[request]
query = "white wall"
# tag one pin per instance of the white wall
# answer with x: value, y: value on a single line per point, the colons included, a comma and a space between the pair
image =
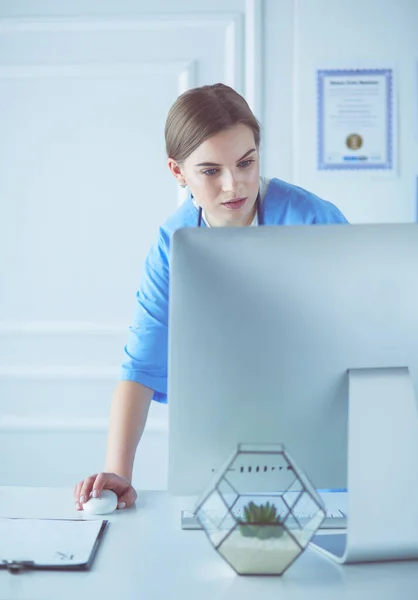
x: 305, y: 35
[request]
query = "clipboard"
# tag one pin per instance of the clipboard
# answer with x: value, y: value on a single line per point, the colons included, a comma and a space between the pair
x: 49, y: 544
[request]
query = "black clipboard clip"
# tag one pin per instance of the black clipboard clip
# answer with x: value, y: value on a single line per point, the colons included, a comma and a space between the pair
x: 17, y: 566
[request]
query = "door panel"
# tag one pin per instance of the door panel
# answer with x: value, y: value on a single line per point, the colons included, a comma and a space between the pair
x: 84, y: 187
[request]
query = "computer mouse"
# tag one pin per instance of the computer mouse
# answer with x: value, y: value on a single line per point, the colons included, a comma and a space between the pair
x: 104, y: 504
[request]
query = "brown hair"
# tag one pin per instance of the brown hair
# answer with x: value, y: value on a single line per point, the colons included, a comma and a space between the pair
x: 202, y: 112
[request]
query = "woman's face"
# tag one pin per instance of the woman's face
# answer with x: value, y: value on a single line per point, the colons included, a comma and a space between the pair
x: 223, y: 176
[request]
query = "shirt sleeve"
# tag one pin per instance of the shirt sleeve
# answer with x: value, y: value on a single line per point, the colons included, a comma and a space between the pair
x: 326, y: 212
x: 147, y: 346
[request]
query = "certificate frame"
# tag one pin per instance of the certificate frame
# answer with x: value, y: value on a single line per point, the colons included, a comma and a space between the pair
x: 347, y: 163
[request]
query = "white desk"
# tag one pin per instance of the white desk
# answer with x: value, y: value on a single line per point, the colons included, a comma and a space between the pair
x: 146, y: 556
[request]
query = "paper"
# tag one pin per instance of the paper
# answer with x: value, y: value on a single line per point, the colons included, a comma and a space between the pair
x: 355, y: 119
x: 48, y: 542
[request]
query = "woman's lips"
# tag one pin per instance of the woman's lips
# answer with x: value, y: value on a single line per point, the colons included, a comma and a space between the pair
x: 235, y: 204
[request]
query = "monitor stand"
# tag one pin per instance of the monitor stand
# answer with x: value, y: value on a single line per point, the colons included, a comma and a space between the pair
x: 382, y: 475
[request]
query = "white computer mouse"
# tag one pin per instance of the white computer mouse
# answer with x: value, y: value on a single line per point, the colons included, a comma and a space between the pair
x: 104, y: 504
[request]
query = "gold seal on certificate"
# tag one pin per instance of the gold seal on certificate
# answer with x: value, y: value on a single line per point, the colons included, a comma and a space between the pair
x: 354, y: 141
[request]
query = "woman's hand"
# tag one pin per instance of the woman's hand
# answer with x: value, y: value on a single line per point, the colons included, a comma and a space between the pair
x: 93, y: 485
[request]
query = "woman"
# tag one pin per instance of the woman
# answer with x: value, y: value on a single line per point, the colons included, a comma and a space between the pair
x: 212, y: 143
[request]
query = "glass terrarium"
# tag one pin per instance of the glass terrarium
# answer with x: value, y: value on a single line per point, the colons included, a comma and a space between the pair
x: 260, y: 510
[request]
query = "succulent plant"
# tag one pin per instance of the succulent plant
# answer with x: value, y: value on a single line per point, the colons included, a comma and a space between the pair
x: 261, y: 521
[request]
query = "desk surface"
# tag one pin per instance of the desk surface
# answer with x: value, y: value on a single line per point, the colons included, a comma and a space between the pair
x: 146, y: 555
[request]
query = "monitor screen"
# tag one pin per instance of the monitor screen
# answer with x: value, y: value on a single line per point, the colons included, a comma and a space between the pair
x: 264, y: 323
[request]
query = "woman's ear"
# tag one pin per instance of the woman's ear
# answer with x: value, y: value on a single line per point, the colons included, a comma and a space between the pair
x: 176, y: 172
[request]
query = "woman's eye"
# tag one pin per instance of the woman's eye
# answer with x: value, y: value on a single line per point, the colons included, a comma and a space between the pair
x: 245, y: 163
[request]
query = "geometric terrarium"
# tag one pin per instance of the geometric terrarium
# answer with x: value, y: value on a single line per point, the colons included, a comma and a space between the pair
x: 260, y: 510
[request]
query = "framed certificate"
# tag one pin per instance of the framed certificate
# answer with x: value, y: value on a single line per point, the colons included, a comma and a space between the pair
x: 355, y: 119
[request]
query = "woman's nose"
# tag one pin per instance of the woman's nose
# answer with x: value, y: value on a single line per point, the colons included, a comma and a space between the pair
x: 228, y: 182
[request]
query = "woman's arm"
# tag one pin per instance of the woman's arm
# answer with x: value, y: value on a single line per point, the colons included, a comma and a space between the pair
x: 128, y: 416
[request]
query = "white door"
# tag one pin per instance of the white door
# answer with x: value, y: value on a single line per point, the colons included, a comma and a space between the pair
x: 83, y: 188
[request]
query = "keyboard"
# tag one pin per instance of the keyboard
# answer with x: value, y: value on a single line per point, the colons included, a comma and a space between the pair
x: 334, y: 519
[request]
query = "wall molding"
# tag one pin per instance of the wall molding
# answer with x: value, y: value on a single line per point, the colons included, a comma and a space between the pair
x: 70, y: 425
x: 187, y: 79
x: 254, y: 59
x: 93, y: 69
x: 235, y: 44
x: 162, y: 21
x: 59, y: 372
x: 62, y: 328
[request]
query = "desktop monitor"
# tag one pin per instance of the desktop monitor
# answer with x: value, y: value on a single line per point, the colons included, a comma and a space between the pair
x: 264, y: 325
